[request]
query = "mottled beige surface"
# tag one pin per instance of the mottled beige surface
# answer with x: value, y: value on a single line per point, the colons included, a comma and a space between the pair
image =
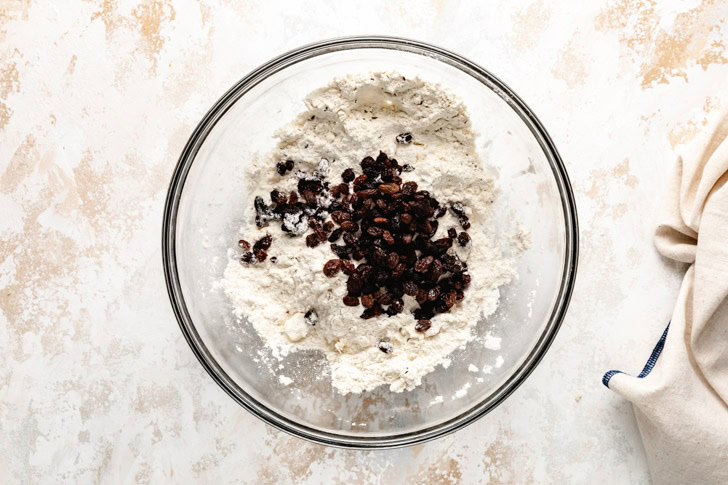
x: 96, y: 101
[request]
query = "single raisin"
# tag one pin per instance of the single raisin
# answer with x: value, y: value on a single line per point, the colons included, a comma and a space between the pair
x: 263, y: 243
x: 312, y: 240
x: 244, y: 245
x: 311, y: 317
x: 289, y: 164
x: 410, y: 288
x: 351, y: 300
x: 404, y: 138
x: 409, y: 188
x: 335, y: 235
x: 423, y: 264
x: 452, y: 233
x: 348, y: 175
x: 332, y: 267
x: 389, y: 188
x: 350, y: 226
x: 392, y: 260
x: 464, y: 239
x: 423, y: 325
x: 347, y: 267
x: 281, y: 168
x: 367, y: 301
x: 385, y: 347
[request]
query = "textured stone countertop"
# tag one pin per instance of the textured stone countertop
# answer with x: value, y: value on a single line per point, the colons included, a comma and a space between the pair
x: 97, y: 99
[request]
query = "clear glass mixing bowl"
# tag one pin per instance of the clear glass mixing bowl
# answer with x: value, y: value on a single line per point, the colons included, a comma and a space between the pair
x: 204, y: 210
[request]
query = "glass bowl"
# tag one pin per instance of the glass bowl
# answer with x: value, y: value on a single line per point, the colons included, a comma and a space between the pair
x: 204, y: 210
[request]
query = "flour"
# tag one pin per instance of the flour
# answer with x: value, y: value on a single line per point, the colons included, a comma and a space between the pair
x: 349, y: 119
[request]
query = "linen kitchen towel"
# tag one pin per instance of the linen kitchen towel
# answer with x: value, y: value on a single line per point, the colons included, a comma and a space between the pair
x: 681, y: 397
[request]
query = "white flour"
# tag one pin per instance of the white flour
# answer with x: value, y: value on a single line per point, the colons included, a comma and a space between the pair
x: 352, y: 118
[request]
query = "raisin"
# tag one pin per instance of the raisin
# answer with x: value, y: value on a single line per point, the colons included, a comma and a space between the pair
x: 464, y: 239
x: 367, y: 301
x: 354, y: 284
x: 423, y: 264
x: 392, y: 260
x: 368, y: 313
x: 423, y: 325
x: 347, y: 267
x: 343, y: 189
x: 409, y: 188
x: 368, y: 162
x: 348, y: 175
x: 350, y: 239
x: 366, y: 194
x: 311, y: 317
x: 350, y: 226
x: 433, y: 293
x: 466, y: 279
x: 457, y: 209
x: 248, y: 258
x: 332, y: 267
x: 340, y: 216
x: 405, y: 218
x: 388, y: 238
x: 328, y: 226
x: 389, y: 188
x: 410, y: 288
x: 312, y: 240
x: 450, y: 298
x: 261, y: 254
x: 360, y: 180
x: 309, y: 197
x: 421, y: 296
x: 335, y: 235
x: 407, y: 167
x: 440, y: 212
x: 263, y: 243
x: 351, y: 300
x: 341, y: 251
x: 244, y: 245
x: 404, y: 138
x: 380, y: 257
x: 289, y: 164
x: 273, y: 259
x: 292, y: 198
x: 385, y: 347
x: 464, y: 223
x: 380, y: 220
x: 452, y: 233
x: 375, y: 231
x: 399, y: 271
x: 281, y: 168
x: 396, y: 307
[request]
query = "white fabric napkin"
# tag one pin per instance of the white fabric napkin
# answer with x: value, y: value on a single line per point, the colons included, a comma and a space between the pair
x: 681, y: 397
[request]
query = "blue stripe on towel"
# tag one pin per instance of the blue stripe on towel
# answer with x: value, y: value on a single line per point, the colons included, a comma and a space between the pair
x: 650, y: 362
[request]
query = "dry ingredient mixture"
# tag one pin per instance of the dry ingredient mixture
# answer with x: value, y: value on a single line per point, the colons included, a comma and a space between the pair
x: 365, y: 238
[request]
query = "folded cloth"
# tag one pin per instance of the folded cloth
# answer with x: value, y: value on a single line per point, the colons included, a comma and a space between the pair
x: 681, y: 397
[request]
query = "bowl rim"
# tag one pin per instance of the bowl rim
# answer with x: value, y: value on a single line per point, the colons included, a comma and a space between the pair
x: 344, y: 440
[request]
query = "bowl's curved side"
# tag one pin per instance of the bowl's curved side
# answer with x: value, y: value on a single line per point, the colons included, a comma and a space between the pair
x: 172, y: 276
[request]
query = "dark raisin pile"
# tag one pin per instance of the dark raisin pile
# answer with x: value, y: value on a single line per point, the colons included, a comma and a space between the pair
x: 386, y: 226
x: 381, y: 231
